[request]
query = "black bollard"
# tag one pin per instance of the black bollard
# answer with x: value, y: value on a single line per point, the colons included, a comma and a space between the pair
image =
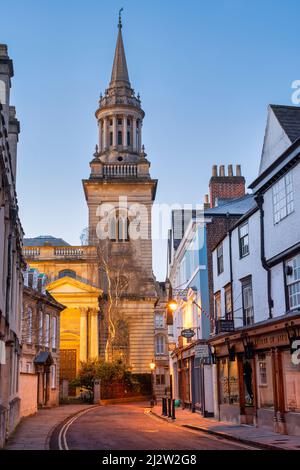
x: 169, y: 408
x: 173, y: 409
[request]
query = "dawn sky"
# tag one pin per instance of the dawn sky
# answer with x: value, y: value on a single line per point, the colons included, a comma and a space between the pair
x: 206, y: 72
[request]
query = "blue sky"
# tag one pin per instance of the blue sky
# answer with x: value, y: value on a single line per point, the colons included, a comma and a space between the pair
x: 206, y: 72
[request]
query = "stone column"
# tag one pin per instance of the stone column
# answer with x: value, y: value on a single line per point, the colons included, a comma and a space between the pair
x: 140, y: 136
x: 115, y: 131
x: 125, y: 131
x: 100, y: 134
x: 94, y: 348
x: 83, y: 334
x: 134, y: 134
x: 104, y: 133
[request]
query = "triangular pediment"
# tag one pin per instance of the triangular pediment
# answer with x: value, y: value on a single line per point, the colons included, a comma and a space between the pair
x: 69, y: 285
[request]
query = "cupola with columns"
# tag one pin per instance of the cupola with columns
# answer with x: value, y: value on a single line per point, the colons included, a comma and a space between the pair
x: 120, y: 152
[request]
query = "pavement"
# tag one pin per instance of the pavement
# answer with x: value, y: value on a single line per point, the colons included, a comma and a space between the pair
x: 33, y: 432
x: 245, y: 434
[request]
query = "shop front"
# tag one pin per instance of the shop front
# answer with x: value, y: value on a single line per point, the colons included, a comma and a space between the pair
x: 193, y: 379
x: 257, y: 372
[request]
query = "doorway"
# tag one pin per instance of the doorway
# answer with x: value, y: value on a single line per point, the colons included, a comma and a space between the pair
x: 68, y: 358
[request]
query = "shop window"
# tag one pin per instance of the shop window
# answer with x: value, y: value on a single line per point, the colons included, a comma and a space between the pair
x: 291, y: 382
x: 283, y: 198
x: 244, y: 240
x: 220, y: 259
x: 265, y: 381
x: 228, y: 382
x: 248, y: 311
x: 293, y: 281
x: 228, y: 303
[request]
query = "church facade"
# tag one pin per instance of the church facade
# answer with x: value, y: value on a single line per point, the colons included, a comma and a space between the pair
x: 107, y: 285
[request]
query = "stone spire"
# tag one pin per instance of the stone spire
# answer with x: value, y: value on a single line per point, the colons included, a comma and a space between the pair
x: 119, y: 76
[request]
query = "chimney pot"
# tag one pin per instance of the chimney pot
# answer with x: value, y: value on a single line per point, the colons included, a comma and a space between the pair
x: 238, y: 170
x: 214, y: 170
x: 230, y: 170
x: 222, y: 170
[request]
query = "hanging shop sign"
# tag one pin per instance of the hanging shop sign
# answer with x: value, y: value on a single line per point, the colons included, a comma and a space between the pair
x: 188, y: 333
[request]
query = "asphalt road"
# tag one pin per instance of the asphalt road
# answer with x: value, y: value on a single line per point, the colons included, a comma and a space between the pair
x: 131, y: 427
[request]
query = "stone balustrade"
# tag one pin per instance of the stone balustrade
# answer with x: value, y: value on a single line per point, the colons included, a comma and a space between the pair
x: 120, y: 170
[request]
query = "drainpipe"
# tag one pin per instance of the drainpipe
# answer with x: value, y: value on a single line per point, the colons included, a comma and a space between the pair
x: 260, y: 201
x: 230, y: 265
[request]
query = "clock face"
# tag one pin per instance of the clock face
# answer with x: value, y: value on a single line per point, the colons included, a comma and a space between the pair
x: 2, y: 92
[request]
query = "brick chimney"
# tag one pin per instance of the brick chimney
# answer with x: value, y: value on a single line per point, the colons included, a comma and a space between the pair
x: 226, y: 186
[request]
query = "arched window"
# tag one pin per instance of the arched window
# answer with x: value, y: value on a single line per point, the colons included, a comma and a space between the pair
x: 160, y: 344
x: 119, y: 137
x: 118, y: 227
x: 67, y: 272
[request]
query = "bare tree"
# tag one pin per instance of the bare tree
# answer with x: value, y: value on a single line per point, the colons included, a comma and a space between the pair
x: 115, y: 281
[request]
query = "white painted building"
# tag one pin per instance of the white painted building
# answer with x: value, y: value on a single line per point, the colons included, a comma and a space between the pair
x: 256, y: 281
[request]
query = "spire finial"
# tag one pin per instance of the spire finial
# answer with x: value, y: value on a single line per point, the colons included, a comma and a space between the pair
x: 120, y: 18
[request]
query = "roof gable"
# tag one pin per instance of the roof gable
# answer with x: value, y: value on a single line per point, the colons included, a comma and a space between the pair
x: 276, y: 140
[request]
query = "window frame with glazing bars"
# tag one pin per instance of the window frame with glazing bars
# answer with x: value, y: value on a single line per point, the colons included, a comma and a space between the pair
x: 242, y: 245
x: 220, y: 264
x: 295, y: 282
x: 228, y: 313
x: 246, y: 283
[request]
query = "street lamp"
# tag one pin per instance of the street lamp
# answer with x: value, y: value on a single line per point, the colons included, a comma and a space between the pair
x: 152, y: 366
x: 172, y: 305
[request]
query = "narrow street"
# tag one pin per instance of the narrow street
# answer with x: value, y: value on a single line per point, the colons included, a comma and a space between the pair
x: 130, y: 427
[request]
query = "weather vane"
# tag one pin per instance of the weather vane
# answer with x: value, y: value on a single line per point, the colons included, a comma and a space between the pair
x: 120, y: 18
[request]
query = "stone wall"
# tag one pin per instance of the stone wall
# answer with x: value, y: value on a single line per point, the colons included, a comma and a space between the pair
x: 28, y: 394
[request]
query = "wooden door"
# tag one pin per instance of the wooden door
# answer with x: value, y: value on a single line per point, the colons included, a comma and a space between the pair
x: 68, y: 367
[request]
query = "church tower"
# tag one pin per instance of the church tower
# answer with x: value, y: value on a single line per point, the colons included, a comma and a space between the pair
x: 119, y: 195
